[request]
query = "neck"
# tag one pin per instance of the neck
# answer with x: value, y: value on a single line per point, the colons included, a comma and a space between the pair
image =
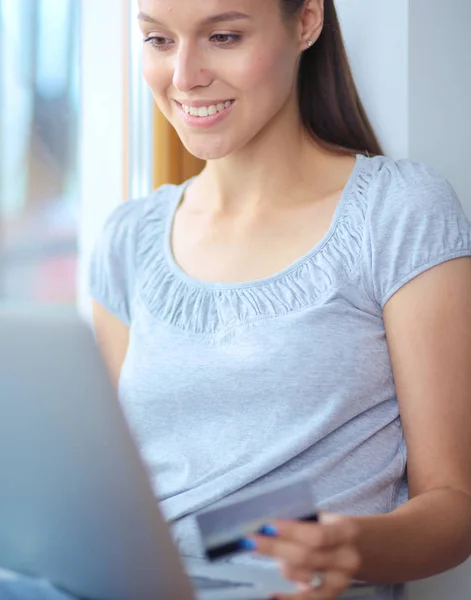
x: 279, y: 164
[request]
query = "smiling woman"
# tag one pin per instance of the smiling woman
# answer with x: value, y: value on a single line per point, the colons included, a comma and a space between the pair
x: 258, y: 319
x: 200, y: 36
x: 237, y: 40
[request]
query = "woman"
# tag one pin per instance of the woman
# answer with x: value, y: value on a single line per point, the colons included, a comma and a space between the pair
x: 302, y: 306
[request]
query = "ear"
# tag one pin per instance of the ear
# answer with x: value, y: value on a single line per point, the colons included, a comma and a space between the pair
x: 311, y: 22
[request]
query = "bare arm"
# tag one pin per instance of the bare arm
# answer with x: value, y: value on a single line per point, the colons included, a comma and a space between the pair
x: 113, y: 339
x: 428, y: 327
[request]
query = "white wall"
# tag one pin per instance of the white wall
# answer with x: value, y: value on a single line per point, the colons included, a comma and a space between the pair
x: 411, y: 62
x: 410, y: 59
x: 440, y: 84
x: 376, y: 36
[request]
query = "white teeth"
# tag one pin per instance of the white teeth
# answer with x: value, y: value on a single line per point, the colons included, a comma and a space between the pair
x: 205, y: 111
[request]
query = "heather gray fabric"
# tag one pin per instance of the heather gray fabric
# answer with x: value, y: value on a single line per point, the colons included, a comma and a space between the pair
x: 228, y: 386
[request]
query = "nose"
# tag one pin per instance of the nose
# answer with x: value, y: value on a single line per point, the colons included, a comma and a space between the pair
x: 190, y: 70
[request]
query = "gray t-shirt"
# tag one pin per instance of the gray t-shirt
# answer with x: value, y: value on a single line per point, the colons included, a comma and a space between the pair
x: 230, y: 386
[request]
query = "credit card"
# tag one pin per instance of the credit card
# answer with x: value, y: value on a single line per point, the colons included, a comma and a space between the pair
x: 223, y: 527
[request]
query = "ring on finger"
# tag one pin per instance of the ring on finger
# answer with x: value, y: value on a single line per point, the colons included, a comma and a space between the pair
x: 317, y: 580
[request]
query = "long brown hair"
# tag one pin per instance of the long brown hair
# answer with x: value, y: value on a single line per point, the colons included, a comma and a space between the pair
x: 331, y: 108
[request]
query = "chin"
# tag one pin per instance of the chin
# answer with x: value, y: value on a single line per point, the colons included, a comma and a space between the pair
x: 207, y: 150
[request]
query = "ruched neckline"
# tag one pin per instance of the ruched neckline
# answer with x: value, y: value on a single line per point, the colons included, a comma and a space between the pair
x: 209, y: 307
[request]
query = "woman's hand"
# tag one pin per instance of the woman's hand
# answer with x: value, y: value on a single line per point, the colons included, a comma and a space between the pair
x: 322, y: 557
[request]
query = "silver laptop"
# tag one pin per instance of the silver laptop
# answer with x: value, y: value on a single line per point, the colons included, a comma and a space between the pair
x: 76, y: 505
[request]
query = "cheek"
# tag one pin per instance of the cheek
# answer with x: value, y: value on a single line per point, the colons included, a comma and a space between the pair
x: 147, y: 68
x: 155, y: 74
x: 267, y: 75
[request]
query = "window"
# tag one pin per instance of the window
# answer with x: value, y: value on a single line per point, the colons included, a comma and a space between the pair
x: 39, y: 108
x: 139, y: 114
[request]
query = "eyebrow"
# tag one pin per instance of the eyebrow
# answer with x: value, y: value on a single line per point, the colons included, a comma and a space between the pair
x: 223, y: 17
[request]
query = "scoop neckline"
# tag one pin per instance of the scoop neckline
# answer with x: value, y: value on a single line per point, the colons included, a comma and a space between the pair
x: 178, y: 272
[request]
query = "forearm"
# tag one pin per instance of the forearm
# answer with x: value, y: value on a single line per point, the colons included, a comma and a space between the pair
x: 427, y: 535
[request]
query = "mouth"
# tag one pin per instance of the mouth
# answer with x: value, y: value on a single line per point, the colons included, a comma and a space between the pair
x: 207, y: 110
x: 204, y: 115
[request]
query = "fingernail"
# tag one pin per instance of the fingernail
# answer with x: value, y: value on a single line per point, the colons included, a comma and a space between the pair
x: 326, y: 518
x: 246, y: 544
x: 268, y: 530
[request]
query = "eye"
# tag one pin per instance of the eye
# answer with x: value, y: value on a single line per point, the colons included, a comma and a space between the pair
x: 225, y: 39
x: 157, y: 42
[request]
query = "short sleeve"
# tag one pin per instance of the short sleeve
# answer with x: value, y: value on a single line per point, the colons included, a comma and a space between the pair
x: 414, y: 221
x: 113, y: 262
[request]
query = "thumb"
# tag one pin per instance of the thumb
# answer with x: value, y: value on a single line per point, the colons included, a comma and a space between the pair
x: 325, y: 518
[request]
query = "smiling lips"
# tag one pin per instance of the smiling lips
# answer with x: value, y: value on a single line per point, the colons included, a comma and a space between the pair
x: 206, y: 110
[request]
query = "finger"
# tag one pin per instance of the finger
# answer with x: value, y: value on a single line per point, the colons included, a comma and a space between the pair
x: 301, y: 595
x: 326, y: 517
x: 285, y: 550
x: 337, y: 530
x: 296, y: 574
x: 345, y: 558
x: 334, y: 584
x: 334, y: 530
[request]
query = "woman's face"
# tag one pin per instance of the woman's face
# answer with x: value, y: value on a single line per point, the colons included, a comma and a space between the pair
x: 219, y: 70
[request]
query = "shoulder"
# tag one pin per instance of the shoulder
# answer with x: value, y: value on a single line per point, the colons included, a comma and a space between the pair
x: 405, y: 180
x: 134, y: 223
x: 129, y: 217
x: 413, y: 221
x: 129, y: 240
x: 411, y: 203
x: 406, y: 187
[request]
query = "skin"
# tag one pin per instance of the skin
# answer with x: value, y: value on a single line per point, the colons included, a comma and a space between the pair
x: 236, y: 210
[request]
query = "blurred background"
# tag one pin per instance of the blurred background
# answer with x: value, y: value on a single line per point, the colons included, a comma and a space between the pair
x: 78, y: 134
x: 39, y: 121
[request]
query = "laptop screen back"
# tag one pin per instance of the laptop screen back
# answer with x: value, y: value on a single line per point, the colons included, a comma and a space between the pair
x: 75, y: 503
